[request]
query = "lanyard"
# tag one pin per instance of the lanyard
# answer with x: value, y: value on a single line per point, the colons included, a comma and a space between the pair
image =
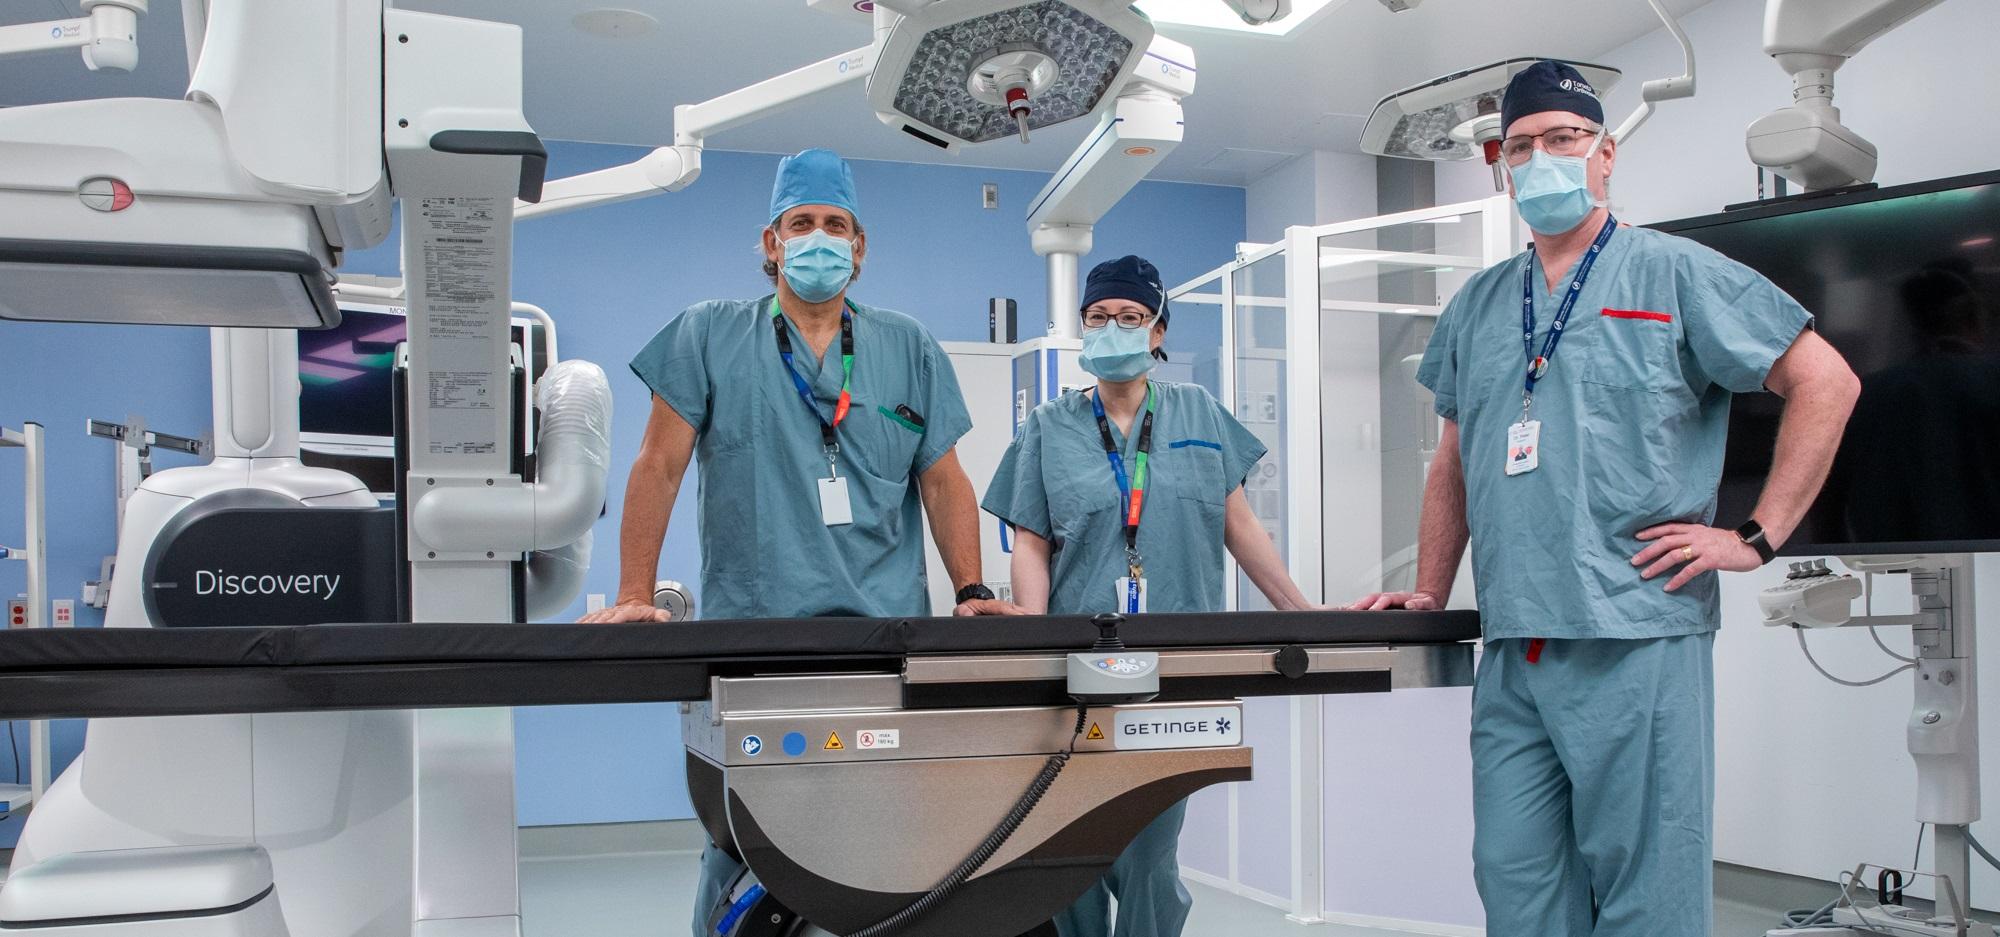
x: 1132, y: 491
x: 1539, y: 365
x: 826, y: 428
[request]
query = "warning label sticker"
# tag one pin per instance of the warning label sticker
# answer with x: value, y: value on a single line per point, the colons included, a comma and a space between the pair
x: 867, y: 739
x: 1096, y: 733
x: 833, y: 743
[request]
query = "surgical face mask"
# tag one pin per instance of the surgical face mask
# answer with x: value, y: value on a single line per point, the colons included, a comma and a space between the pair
x: 818, y: 265
x: 1553, y: 192
x: 1116, y: 353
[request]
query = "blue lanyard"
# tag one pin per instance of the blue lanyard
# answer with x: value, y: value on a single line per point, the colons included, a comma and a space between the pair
x: 1539, y: 365
x: 1132, y: 490
x: 826, y: 428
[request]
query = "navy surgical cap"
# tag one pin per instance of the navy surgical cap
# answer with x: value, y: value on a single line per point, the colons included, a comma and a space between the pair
x: 1549, y: 86
x: 1128, y: 277
x: 814, y: 177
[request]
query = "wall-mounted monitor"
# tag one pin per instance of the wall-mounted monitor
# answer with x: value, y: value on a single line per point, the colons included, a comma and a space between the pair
x: 1905, y: 282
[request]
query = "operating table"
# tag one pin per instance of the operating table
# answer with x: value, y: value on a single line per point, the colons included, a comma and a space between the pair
x: 850, y: 763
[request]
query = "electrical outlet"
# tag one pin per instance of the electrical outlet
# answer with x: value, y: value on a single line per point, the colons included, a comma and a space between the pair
x: 62, y: 613
x: 17, y: 612
x: 989, y: 195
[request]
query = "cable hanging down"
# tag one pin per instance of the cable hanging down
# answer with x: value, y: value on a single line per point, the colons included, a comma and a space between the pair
x: 1801, y: 632
x: 991, y: 845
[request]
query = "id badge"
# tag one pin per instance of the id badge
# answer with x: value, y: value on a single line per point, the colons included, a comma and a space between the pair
x: 1524, y: 447
x: 834, y: 507
x: 1131, y: 595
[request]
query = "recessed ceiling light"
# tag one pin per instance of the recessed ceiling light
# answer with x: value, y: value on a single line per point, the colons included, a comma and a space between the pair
x: 1210, y: 14
x: 615, y: 24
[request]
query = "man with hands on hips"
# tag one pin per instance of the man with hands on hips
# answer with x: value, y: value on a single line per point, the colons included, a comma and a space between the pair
x: 1585, y: 388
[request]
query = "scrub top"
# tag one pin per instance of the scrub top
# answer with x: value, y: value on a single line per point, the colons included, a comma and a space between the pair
x: 1634, y: 412
x: 1056, y: 482
x: 765, y: 550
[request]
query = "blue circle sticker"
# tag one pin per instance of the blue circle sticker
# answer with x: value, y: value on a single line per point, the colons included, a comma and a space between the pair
x: 795, y: 744
x: 753, y: 746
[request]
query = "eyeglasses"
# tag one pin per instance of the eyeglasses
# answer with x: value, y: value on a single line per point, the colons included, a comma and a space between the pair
x: 1129, y: 319
x: 1561, y: 141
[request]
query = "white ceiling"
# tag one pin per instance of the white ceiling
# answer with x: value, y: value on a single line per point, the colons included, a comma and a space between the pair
x: 1258, y: 102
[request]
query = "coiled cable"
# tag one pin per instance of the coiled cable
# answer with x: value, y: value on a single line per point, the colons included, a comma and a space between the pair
x: 994, y: 840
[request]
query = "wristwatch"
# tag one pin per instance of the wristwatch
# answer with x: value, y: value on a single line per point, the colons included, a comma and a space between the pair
x: 1752, y: 533
x: 977, y: 590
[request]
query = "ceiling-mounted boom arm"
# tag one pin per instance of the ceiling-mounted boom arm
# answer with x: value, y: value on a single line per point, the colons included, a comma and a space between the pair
x: 1142, y: 127
x: 1806, y: 142
x: 673, y: 168
x: 1661, y: 89
x: 107, y: 32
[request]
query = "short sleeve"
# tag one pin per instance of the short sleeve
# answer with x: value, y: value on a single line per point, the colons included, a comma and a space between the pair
x: 1738, y: 323
x: 1241, y: 449
x: 943, y: 406
x: 1018, y: 494
x: 1439, y: 370
x: 674, y: 366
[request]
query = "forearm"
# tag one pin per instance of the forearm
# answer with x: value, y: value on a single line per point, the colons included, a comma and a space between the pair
x: 1442, y: 532
x: 1808, y: 437
x: 1258, y: 556
x: 1029, y: 571
x: 954, y: 520
x: 649, y: 504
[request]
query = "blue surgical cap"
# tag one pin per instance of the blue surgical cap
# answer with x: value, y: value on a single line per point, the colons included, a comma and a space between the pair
x: 814, y: 177
x: 1549, y: 86
x: 1129, y: 277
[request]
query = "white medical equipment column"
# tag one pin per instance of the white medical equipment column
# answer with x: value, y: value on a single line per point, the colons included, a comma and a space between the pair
x: 1063, y: 244
x: 1944, y: 724
x: 453, y: 130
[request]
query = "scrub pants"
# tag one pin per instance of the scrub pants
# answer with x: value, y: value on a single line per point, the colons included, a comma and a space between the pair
x: 1593, y: 778
x: 1146, y: 880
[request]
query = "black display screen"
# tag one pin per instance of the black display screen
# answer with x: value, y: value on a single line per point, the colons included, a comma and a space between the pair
x: 1904, y: 282
x: 346, y: 373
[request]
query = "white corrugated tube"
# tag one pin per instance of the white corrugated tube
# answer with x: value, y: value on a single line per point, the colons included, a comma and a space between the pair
x: 551, y: 518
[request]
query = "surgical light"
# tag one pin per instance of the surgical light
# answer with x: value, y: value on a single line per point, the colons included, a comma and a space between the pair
x: 46, y: 281
x: 1456, y: 117
x: 1438, y: 119
x: 974, y: 71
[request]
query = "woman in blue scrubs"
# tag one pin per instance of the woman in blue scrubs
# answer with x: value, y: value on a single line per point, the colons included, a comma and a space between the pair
x: 1122, y: 498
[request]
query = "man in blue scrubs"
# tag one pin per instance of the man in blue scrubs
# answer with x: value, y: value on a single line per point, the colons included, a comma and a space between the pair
x: 825, y: 432
x: 1585, y: 388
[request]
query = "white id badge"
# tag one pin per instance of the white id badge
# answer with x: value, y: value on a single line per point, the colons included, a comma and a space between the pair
x: 1131, y: 595
x: 834, y: 507
x: 1524, y: 447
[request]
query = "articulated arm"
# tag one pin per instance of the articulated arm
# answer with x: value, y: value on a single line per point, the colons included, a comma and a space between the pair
x: 1806, y: 142
x: 107, y: 33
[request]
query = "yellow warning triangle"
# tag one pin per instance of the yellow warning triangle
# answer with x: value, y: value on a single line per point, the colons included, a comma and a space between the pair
x: 1096, y: 734
x: 833, y: 742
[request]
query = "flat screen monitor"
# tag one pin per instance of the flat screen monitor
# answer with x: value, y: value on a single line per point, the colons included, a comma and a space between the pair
x: 346, y: 390
x: 1905, y: 282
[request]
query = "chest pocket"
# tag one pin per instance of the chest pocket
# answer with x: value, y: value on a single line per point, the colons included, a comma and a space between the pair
x: 1189, y: 469
x: 886, y: 443
x: 1632, y: 349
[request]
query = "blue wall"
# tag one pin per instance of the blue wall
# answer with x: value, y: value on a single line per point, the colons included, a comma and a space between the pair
x: 610, y: 276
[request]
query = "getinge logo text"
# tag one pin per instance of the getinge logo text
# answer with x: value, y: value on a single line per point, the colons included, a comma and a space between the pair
x: 222, y: 582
